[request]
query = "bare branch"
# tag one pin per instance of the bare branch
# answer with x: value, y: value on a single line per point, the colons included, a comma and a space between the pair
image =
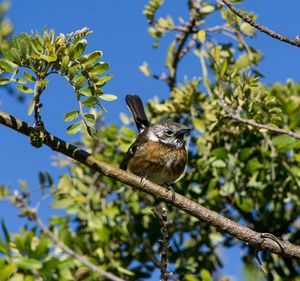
x: 31, y: 214
x: 188, y: 206
x: 260, y: 27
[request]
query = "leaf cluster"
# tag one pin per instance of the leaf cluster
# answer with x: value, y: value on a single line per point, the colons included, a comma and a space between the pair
x: 43, y: 55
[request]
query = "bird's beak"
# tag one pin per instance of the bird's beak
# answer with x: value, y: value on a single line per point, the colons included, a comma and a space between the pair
x: 183, y: 132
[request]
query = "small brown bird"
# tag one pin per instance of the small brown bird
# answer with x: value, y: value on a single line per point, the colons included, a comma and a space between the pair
x: 158, y: 153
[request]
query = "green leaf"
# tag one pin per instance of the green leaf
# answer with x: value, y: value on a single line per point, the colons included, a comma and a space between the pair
x: 245, y: 204
x: 207, y: 9
x: 220, y: 153
x: 62, y: 203
x: 70, y: 116
x: 124, y: 118
x: 27, y: 263
x: 151, y: 8
x: 80, y: 82
x: 24, y: 185
x: 42, y: 82
x: 101, y: 81
x: 224, y: 66
x: 205, y: 274
x: 245, y: 153
x: 6, y: 271
x: 24, y: 49
x: 144, y: 68
x: 198, y: 124
x: 49, y: 58
x: 79, y: 48
x: 227, y: 189
x: 74, y: 128
x: 125, y: 271
x: 108, y: 97
x: 190, y: 277
x: 72, y: 71
x: 253, y: 273
x: 31, y: 107
x: 64, y: 63
x: 201, y: 34
x: 5, y: 231
x: 90, y: 102
x: 219, y: 164
x: 90, y: 119
x: 39, y: 39
x: 6, y: 66
x: 284, y: 143
x: 99, y: 68
x: 24, y: 89
x: 247, y: 29
x: 7, y: 54
x: 16, y: 57
x: 92, y: 132
x: 94, y: 57
x: 4, y: 81
x: 29, y: 77
x: 20, y: 81
x: 253, y: 164
x: 86, y: 92
x: 170, y: 58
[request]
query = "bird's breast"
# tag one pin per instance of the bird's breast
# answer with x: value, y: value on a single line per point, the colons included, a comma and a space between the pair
x: 158, y: 162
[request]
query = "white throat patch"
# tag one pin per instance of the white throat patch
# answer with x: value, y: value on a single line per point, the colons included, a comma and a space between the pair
x: 151, y: 136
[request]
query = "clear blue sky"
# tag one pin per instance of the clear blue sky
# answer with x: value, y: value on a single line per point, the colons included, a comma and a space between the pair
x: 120, y: 31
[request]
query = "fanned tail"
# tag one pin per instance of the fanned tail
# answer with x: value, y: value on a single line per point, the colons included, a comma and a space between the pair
x: 137, y: 110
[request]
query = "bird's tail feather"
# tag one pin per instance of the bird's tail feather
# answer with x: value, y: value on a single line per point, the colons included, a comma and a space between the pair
x: 137, y: 110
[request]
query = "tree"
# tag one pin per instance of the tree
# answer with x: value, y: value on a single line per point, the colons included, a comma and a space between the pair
x: 243, y: 161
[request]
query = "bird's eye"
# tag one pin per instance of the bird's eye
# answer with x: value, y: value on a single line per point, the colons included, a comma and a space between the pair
x: 168, y: 132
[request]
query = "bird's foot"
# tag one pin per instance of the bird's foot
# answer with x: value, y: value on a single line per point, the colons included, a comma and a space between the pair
x: 170, y: 188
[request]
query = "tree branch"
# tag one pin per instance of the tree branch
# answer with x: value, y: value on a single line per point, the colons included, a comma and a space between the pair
x: 262, y: 28
x: 178, y: 52
x: 235, y: 116
x: 31, y: 213
x: 164, y: 222
x: 222, y: 224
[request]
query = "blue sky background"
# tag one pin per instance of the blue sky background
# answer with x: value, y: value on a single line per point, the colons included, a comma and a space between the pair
x: 120, y: 31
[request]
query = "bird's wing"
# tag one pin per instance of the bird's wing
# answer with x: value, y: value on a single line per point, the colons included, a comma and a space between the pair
x: 129, y: 154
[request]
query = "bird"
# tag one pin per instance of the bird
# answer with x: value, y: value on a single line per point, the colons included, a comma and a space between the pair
x: 158, y: 153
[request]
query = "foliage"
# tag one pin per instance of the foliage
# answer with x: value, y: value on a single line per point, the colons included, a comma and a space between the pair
x: 46, y: 54
x: 243, y: 173
x: 5, y: 25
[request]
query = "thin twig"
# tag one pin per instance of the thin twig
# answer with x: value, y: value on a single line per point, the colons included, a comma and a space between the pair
x: 164, y: 222
x: 263, y: 126
x: 263, y: 270
x: 37, y: 105
x: 260, y: 27
x: 178, y: 52
x: 31, y: 214
x: 235, y: 116
x: 210, y: 217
